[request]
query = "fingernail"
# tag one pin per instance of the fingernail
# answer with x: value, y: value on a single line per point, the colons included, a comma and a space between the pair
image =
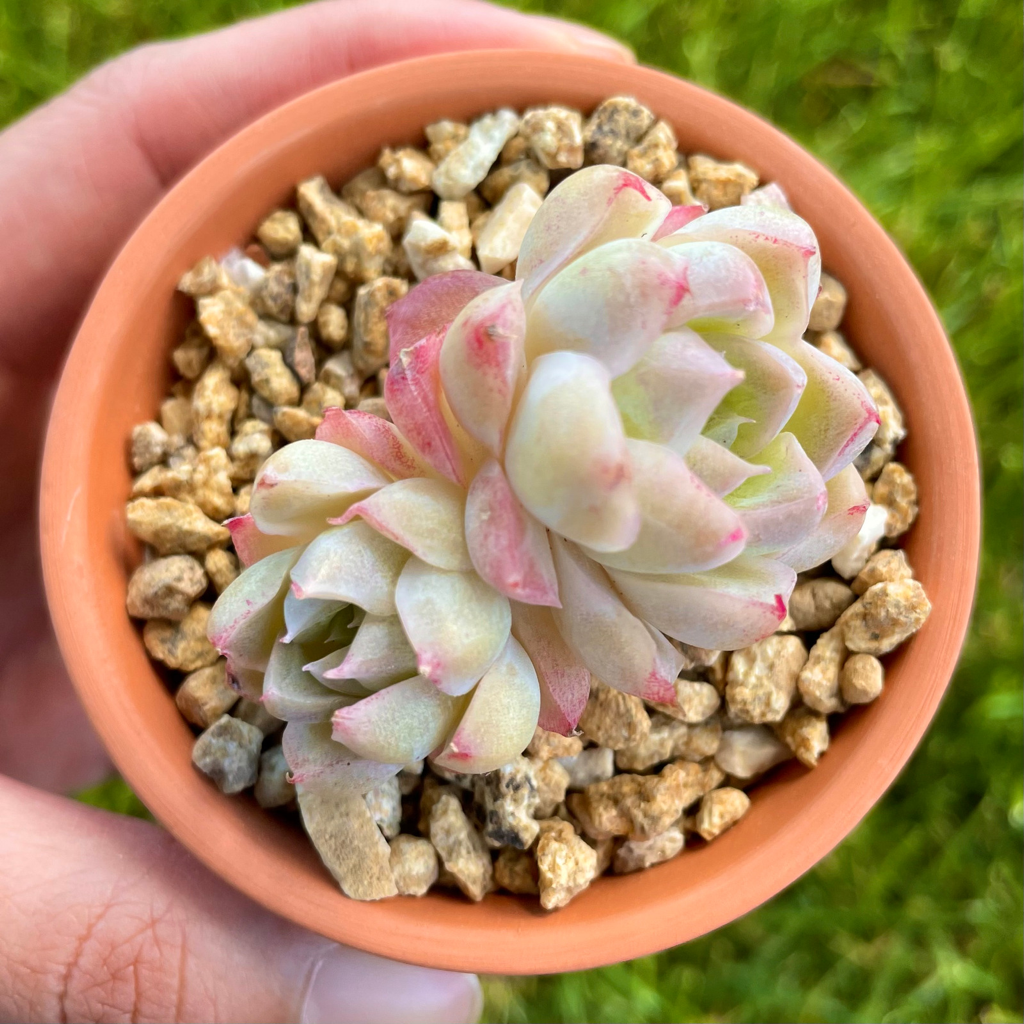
x: 588, y: 40
x: 348, y: 986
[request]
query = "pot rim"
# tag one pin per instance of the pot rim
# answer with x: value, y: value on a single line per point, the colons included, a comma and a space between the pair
x: 637, y: 914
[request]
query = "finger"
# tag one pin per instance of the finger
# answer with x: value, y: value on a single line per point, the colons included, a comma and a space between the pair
x: 77, y: 175
x: 104, y: 918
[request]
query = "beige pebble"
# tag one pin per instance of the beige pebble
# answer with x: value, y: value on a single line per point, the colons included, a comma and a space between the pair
x: 211, y: 484
x: 314, y: 272
x: 321, y: 209
x: 164, y: 482
x: 205, y: 695
x: 272, y: 787
x: 385, y: 803
x: 891, y: 429
x: 271, y: 334
x: 761, y: 679
x: 355, y: 189
x: 332, y: 325
x: 299, y: 356
x: 516, y: 871
x: 594, y: 764
x: 671, y: 738
x: 281, y: 233
x: 214, y: 401
x: 555, y: 135
x: 242, y: 499
x: 413, y: 865
x: 516, y: 149
x: 720, y: 810
x: 818, y: 681
x: 205, y: 278
x: 676, y: 186
x: 749, y: 751
x: 229, y: 753
x: 817, y: 603
x: 507, y: 799
x: 165, y: 588
x: 829, y: 306
x: 886, y: 566
x: 173, y: 527
x: 348, y: 841
x: 546, y: 745
x: 361, y: 247
x: 497, y: 245
x: 521, y: 172
x: 256, y: 714
x: 149, y: 447
x: 222, y: 568
x: 654, y: 157
x: 392, y: 209
x: 453, y: 216
x: 406, y: 169
x: 637, y: 806
x: 274, y: 297
x: 833, y: 344
x: 339, y: 373
x: 640, y: 854
x: 183, y: 644
x: 613, y: 718
x: 886, y: 615
x: 460, y: 847
x: 318, y: 398
x: 718, y: 185
x: 872, y: 461
x: 230, y: 324
x: 375, y: 407
x: 805, y: 732
x: 854, y: 555
x: 192, y: 356
x: 411, y: 777
x: 250, y: 447
x: 566, y: 865
x: 430, y: 793
x: 468, y: 163
x: 695, y: 701
x: 369, y: 324
x: 443, y: 137
x: 896, y: 491
x: 614, y: 127
x: 432, y: 250
x: 862, y: 679
x: 271, y: 378
x: 552, y: 780
x: 176, y: 416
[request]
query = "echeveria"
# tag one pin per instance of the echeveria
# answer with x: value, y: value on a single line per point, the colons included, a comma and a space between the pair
x: 627, y: 448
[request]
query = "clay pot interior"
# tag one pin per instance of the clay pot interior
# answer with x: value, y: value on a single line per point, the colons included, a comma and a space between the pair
x: 118, y: 372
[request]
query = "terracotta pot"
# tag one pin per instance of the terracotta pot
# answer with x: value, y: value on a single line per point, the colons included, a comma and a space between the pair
x: 117, y: 374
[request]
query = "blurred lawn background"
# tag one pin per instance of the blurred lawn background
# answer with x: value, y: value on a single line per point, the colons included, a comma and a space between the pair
x: 917, y: 105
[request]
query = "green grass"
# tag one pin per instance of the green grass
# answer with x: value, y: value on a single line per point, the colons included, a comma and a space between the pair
x: 917, y: 105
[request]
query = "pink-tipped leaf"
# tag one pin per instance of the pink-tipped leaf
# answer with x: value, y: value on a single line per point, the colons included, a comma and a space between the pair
x: 375, y: 439
x: 292, y: 694
x: 316, y: 761
x: 722, y: 470
x: 251, y: 544
x: 379, y: 655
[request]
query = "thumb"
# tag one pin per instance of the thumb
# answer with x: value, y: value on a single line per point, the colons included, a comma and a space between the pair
x: 120, y: 923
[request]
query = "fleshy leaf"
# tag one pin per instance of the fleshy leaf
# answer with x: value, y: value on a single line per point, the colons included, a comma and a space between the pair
x: 351, y: 563
x: 432, y: 305
x: 676, y: 218
x: 589, y: 208
x: 251, y: 545
x: 424, y: 516
x: 508, y: 547
x: 413, y: 395
x: 400, y: 723
x: 320, y: 668
x: 304, y: 483
x: 379, y: 655
x: 718, y: 467
x: 610, y: 304
x: 566, y: 457
x: 246, y: 682
x: 723, y: 609
x: 501, y: 717
x: 836, y: 417
x: 564, y: 679
x: 292, y: 694
x: 767, y: 195
x: 847, y: 504
x: 482, y: 361
x: 781, y: 244
x: 669, y: 395
x: 249, y: 615
x: 684, y: 526
x: 374, y: 438
x: 605, y: 635
x: 786, y: 504
x: 765, y: 400
x: 316, y: 760
x: 455, y: 622
x: 308, y: 620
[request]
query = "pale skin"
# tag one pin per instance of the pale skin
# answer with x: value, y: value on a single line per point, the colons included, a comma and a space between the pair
x: 105, y: 918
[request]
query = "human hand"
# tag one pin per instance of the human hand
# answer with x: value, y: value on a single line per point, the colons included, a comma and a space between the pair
x: 102, y: 917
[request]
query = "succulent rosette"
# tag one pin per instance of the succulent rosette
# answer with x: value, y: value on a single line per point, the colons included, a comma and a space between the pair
x: 628, y: 448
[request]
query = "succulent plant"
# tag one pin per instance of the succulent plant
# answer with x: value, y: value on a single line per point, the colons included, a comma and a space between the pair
x: 628, y: 448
